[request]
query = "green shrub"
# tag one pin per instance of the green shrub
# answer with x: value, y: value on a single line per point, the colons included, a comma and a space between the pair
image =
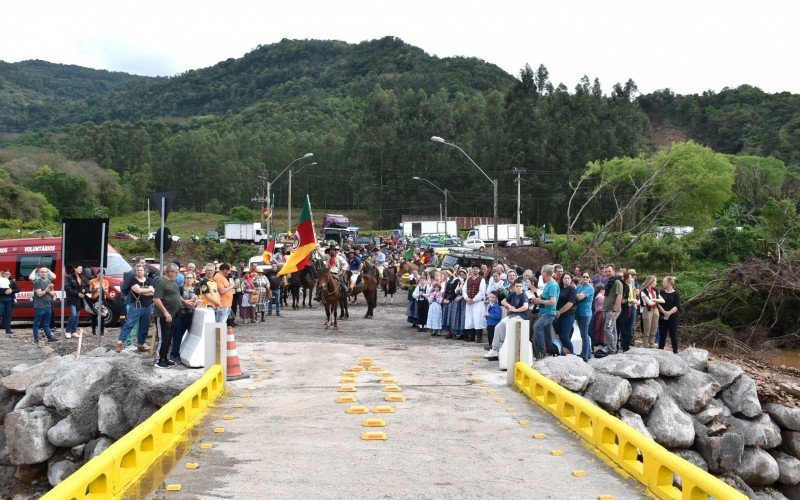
x: 729, y: 244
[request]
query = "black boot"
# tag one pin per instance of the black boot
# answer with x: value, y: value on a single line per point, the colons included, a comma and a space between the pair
x: 479, y: 335
x: 469, y: 335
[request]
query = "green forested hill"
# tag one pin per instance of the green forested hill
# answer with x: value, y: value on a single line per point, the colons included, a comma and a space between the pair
x: 367, y: 112
x: 32, y: 92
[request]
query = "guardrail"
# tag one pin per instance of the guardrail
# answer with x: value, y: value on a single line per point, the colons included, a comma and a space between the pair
x: 109, y: 474
x: 644, y: 459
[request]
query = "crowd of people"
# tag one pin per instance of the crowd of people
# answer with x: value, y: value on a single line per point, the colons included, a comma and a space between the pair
x: 603, y: 307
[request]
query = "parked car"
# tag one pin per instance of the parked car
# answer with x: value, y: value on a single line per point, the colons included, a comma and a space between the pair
x: 474, y: 244
x: 212, y: 236
x: 527, y: 242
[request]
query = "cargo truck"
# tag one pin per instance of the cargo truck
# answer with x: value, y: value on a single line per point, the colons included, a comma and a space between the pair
x: 245, y: 231
x: 508, y: 234
x: 416, y: 229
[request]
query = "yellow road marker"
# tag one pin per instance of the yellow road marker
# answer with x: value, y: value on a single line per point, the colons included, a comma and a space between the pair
x: 388, y: 381
x: 365, y: 361
x: 206, y: 446
x: 227, y: 417
x: 373, y: 422
x: 485, y: 384
x: 347, y: 388
x: 238, y: 405
x: 347, y: 380
x: 251, y: 388
x: 524, y: 422
x: 474, y: 380
x: 395, y: 398
x: 392, y: 388
x: 500, y: 400
x: 356, y: 368
x: 539, y: 436
x: 219, y: 430
x: 374, y: 436
x: 579, y: 473
x: 353, y: 410
x: 348, y: 374
x: 245, y: 395
x: 346, y: 399
x: 511, y: 410
x: 605, y: 497
x: 557, y: 453
x: 383, y: 409
x: 374, y: 368
x: 386, y: 374
x: 490, y: 392
x: 192, y: 465
x: 173, y: 487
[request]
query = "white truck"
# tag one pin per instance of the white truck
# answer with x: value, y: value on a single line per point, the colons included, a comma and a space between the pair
x: 508, y: 234
x: 415, y: 229
x: 245, y: 231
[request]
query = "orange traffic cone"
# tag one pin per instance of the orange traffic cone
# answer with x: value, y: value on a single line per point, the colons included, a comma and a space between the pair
x: 234, y: 369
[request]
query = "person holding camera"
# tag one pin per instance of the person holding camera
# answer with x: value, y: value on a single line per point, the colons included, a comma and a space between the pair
x: 43, y: 296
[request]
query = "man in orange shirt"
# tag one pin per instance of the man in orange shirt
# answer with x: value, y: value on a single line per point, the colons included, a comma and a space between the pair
x: 225, y: 290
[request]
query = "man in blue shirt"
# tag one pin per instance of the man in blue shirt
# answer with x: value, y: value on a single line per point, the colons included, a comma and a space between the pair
x: 547, y: 311
x: 380, y: 261
x: 516, y: 305
x: 585, y: 296
x: 355, y: 264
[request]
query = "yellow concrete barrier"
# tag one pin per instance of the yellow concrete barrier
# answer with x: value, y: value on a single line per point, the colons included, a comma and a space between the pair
x: 644, y: 459
x: 109, y: 474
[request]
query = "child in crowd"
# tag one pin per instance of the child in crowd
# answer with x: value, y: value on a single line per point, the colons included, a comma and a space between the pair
x: 434, y: 321
x: 493, y: 314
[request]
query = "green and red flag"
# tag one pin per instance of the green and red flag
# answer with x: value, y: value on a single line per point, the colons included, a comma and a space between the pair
x: 299, y: 259
x: 269, y: 250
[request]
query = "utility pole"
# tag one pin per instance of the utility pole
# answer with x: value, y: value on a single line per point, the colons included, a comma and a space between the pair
x: 519, y: 171
x: 289, y: 207
x: 261, y: 198
x: 445, y: 206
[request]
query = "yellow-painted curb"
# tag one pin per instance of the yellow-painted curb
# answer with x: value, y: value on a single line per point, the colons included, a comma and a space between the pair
x: 621, y: 442
x: 109, y: 474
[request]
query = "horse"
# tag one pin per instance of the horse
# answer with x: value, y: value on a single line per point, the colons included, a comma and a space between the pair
x: 369, y: 287
x: 284, y: 291
x: 368, y: 269
x: 305, y: 279
x: 389, y: 283
x: 332, y: 294
x: 408, y: 267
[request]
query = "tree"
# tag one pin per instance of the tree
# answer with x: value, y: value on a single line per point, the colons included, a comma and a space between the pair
x: 66, y: 192
x: 241, y: 213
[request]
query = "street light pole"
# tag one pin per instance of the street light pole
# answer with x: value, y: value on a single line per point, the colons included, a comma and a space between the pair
x: 493, y: 181
x: 269, y: 185
x: 519, y: 171
x: 289, y: 208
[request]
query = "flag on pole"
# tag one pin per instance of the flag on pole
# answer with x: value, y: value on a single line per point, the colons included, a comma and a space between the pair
x: 299, y: 259
x: 269, y: 250
x: 409, y: 255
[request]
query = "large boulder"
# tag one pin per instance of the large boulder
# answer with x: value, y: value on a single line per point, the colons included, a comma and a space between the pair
x: 790, y: 443
x: 715, y: 410
x: 788, y: 418
x: 722, y: 452
x: 571, y: 372
x: 96, y: 446
x: 735, y: 481
x: 669, y: 364
x: 742, y: 397
x: 58, y: 471
x: 644, y: 394
x: 695, y: 358
x: 692, y: 391
x: 8, y: 400
x: 693, y: 458
x: 111, y: 417
x: 21, y: 380
x: 33, y: 397
x: 76, y: 384
x: 70, y: 432
x: 626, y: 366
x: 757, y: 467
x: 669, y: 425
x: 760, y: 431
x: 26, y: 435
x: 608, y: 391
x: 5, y: 459
x: 788, y: 466
x: 725, y: 373
x: 635, y: 421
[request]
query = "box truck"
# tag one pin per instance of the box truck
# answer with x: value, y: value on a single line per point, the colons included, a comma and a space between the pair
x: 245, y: 231
x: 508, y: 234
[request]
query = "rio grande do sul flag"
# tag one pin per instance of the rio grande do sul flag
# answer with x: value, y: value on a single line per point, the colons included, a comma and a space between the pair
x: 300, y: 258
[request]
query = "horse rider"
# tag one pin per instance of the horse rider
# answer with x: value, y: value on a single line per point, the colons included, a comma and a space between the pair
x: 380, y: 260
x: 356, y: 265
x: 337, y: 265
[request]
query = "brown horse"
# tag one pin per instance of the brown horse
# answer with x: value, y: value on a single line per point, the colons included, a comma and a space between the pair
x: 368, y: 285
x: 332, y: 295
x: 389, y: 283
x: 408, y: 267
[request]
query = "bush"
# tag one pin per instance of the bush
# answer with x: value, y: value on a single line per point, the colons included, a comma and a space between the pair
x: 241, y: 213
x: 728, y: 244
x: 214, y: 206
x: 651, y: 254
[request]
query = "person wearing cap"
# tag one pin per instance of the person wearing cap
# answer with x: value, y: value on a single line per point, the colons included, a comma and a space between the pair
x: 355, y: 264
x: 474, y: 293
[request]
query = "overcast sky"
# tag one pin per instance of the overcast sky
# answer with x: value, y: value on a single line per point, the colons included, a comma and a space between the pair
x: 686, y: 45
